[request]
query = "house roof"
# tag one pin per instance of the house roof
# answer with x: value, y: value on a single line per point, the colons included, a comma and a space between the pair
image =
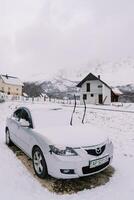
x: 116, y: 91
x: 91, y: 77
x: 11, y: 80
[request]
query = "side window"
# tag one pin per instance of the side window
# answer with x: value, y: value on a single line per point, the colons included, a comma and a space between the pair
x: 88, y: 87
x: 17, y: 114
x: 25, y: 116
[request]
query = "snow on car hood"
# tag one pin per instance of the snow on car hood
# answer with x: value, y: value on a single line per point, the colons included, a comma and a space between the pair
x: 74, y: 136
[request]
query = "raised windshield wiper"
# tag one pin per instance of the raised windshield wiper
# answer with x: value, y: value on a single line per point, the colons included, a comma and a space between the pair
x: 85, y: 108
x: 75, y: 103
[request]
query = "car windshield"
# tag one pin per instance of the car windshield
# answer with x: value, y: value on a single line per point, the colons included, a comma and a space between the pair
x: 45, y: 118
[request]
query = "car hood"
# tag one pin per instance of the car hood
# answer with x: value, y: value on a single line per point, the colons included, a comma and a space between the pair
x: 74, y: 136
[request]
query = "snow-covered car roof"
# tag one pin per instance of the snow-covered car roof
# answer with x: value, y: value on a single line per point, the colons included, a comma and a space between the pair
x: 48, y: 115
x: 53, y: 122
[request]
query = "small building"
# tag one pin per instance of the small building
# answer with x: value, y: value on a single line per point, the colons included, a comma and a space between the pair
x: 116, y: 93
x: 44, y: 95
x: 10, y: 85
x: 94, y: 91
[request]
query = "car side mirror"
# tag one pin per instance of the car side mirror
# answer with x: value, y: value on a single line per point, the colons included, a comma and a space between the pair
x: 24, y: 123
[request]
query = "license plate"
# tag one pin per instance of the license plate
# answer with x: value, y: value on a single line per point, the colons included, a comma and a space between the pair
x: 95, y: 163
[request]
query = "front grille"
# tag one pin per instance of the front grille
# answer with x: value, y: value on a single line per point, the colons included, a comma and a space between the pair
x: 88, y: 170
x: 93, y: 152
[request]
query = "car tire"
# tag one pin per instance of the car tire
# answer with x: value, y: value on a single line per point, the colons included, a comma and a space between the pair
x: 7, y: 138
x: 39, y: 163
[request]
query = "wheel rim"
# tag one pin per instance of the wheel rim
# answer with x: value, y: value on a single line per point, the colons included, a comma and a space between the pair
x: 7, y: 137
x: 37, y: 160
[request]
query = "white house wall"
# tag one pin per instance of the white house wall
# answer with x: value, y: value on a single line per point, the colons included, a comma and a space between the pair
x: 96, y: 91
x: 106, y: 95
x: 93, y: 90
x: 13, y: 89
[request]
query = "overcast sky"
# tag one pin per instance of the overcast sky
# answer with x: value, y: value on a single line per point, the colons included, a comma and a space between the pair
x: 42, y: 36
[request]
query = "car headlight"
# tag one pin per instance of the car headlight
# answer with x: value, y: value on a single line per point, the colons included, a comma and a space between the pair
x: 67, y: 151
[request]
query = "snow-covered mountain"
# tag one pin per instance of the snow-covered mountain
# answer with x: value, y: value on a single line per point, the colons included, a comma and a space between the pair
x: 127, y: 88
x: 60, y: 87
x: 116, y: 74
x: 119, y: 73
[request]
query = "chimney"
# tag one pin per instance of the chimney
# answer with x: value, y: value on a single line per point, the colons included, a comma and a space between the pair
x: 98, y: 76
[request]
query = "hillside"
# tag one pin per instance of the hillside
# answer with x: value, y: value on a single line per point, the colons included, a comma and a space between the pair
x: 116, y: 74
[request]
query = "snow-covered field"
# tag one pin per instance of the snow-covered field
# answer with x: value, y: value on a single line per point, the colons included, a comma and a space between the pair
x: 17, y: 183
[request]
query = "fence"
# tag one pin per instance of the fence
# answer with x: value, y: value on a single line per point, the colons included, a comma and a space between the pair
x: 23, y: 99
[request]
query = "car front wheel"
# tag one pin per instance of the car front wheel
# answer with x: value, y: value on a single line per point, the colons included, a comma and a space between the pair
x: 39, y: 163
x: 8, y: 140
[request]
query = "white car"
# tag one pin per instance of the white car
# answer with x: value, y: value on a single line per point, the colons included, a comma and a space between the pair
x: 55, y: 147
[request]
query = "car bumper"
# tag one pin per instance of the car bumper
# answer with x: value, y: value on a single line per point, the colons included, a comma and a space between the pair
x: 62, y: 167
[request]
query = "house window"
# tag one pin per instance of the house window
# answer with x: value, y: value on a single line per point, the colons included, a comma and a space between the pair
x: 88, y: 87
x: 17, y: 89
x: 85, y: 96
x: 99, y: 86
x: 92, y: 95
x: 8, y: 88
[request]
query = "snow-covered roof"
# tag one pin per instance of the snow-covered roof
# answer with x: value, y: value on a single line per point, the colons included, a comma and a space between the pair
x: 11, y: 80
x: 116, y: 91
x: 91, y: 77
x: 24, y: 94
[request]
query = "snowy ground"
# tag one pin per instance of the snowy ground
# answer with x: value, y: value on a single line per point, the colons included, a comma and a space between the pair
x: 17, y: 183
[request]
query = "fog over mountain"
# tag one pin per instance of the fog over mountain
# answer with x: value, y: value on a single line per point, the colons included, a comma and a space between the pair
x: 63, y: 83
x: 41, y: 37
x: 116, y: 73
x: 57, y: 43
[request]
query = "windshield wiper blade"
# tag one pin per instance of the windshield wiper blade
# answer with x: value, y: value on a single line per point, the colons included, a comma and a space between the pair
x: 85, y: 108
x: 75, y: 103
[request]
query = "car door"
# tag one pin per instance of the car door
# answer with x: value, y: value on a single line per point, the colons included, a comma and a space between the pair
x: 14, y: 126
x: 25, y: 133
